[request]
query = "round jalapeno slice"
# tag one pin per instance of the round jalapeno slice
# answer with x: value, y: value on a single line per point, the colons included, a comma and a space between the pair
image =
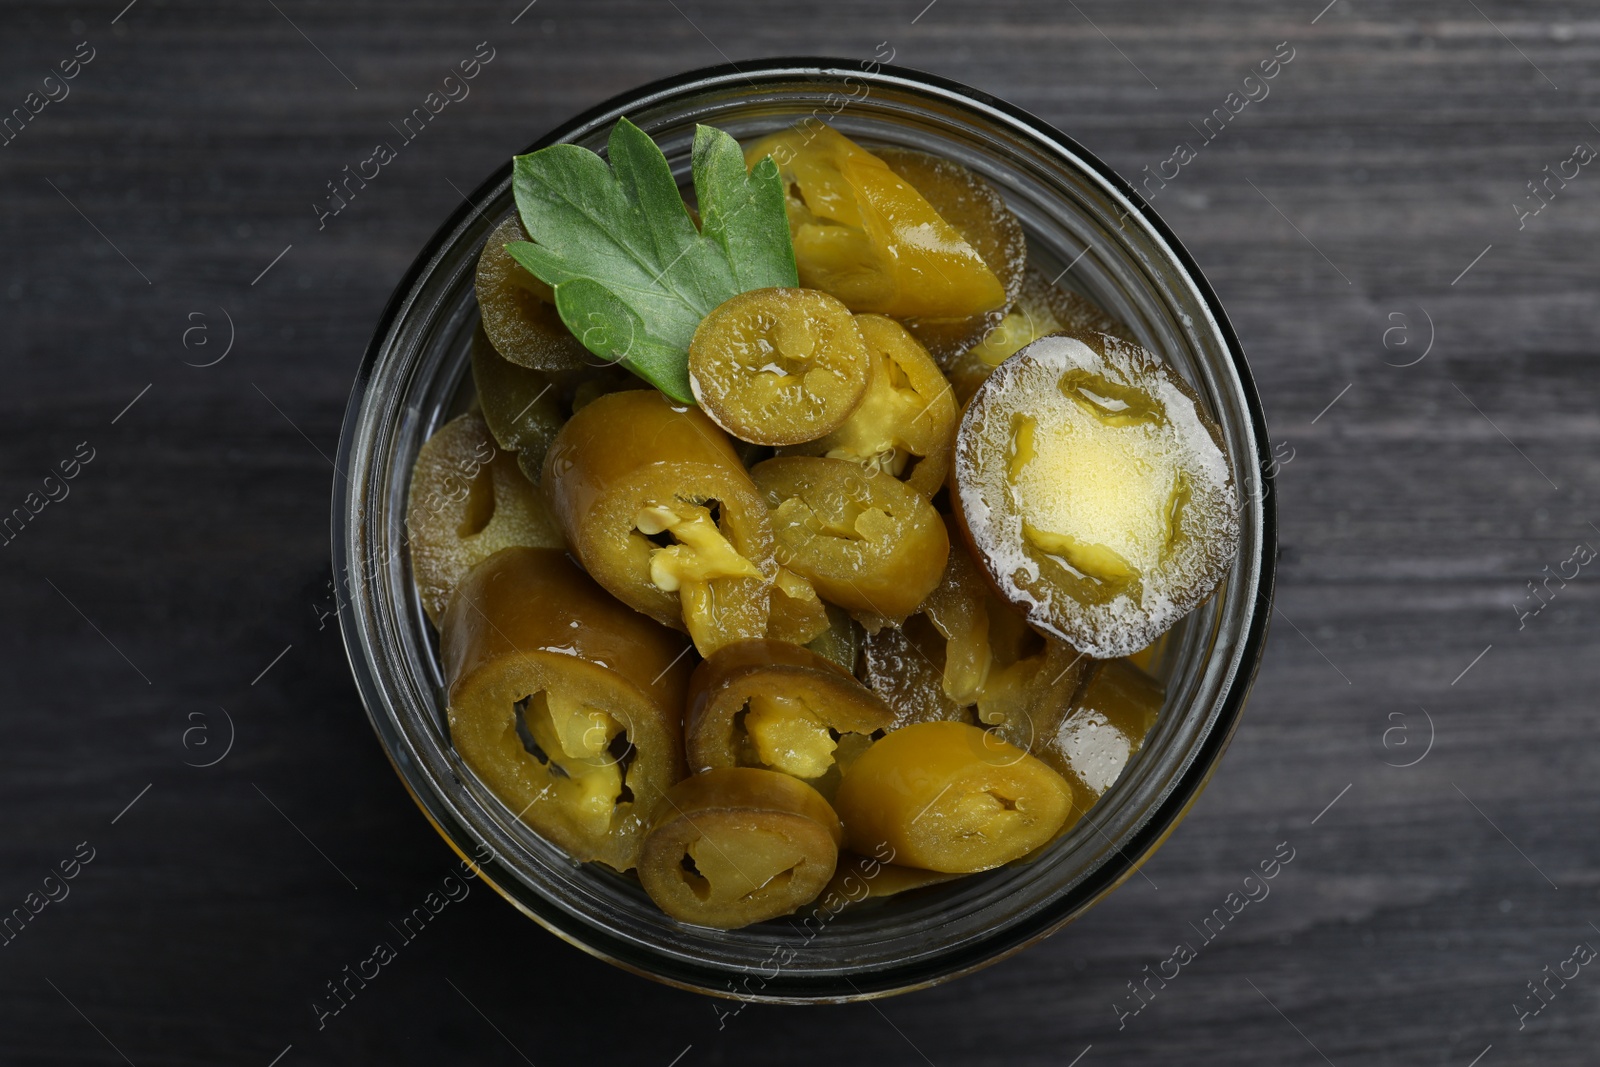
x: 519, y: 311
x: 564, y: 702
x: 946, y: 796
x: 905, y: 423
x: 1095, y: 491
x: 658, y: 508
x: 778, y: 366
x: 467, y: 501
x: 867, y: 542
x: 739, y: 845
x: 776, y: 705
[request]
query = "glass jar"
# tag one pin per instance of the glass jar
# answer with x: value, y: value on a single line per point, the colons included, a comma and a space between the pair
x: 1081, y: 219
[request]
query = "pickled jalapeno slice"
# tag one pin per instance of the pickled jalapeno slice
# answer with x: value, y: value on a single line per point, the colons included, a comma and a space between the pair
x: 905, y: 423
x: 519, y: 311
x: 778, y: 366
x: 657, y: 507
x: 867, y: 542
x: 564, y: 701
x: 739, y: 845
x: 946, y: 796
x: 467, y: 501
x: 775, y: 705
x: 522, y: 407
x: 978, y: 212
x: 865, y: 235
x: 1096, y: 492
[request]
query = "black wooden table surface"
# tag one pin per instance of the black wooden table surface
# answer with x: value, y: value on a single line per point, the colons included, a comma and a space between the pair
x: 1423, y: 342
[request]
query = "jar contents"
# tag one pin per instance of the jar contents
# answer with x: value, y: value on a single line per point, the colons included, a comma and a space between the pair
x: 809, y: 540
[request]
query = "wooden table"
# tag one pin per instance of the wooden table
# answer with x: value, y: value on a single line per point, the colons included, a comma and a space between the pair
x: 1425, y: 356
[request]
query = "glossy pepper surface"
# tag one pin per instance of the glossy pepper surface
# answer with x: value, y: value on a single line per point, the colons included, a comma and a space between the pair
x: 867, y: 542
x: 946, y: 796
x: 977, y: 211
x: 738, y: 845
x: 778, y: 366
x: 657, y: 507
x: 865, y: 235
x: 776, y: 705
x: 566, y: 703
x: 905, y: 423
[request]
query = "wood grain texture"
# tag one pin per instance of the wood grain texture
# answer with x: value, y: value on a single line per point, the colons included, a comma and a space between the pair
x: 193, y: 548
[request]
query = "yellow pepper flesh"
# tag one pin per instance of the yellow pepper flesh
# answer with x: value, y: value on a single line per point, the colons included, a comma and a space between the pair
x: 865, y: 235
x: 947, y: 796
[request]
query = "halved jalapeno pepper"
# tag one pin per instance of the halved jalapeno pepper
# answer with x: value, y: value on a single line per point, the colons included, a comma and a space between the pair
x: 1096, y: 492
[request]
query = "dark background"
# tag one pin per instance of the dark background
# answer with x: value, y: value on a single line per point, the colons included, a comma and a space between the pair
x: 193, y: 548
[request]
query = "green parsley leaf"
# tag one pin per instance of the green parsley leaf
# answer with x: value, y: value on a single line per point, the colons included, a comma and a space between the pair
x: 632, y: 275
